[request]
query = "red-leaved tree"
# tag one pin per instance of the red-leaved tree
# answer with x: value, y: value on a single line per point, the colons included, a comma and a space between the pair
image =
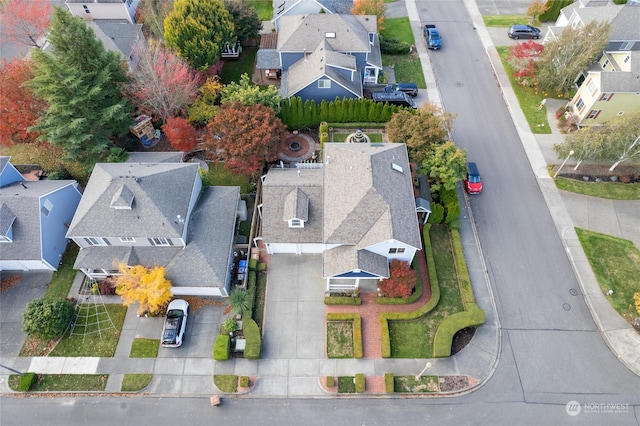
x: 25, y: 21
x: 244, y: 136
x: 181, y: 134
x: 522, y: 58
x: 19, y: 107
x: 162, y: 84
x: 401, y: 282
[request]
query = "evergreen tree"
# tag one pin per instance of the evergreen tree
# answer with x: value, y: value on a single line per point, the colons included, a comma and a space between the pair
x: 82, y: 84
x: 198, y: 30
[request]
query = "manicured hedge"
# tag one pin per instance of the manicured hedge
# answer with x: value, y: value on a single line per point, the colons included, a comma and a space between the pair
x: 261, y: 266
x: 26, y: 381
x: 466, y: 291
x: 357, y: 329
x: 342, y: 300
x: 254, y: 339
x: 471, y: 317
x: 437, y: 213
x: 552, y: 14
x: 385, y: 343
x: 253, y: 264
x: 244, y: 381
x: 331, y: 381
x: 221, y: 347
x: 388, y: 383
x: 360, y: 386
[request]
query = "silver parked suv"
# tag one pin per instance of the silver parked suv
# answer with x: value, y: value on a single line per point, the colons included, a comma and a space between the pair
x: 523, y: 31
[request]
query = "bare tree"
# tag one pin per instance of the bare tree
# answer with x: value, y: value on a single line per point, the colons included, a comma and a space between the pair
x: 162, y: 84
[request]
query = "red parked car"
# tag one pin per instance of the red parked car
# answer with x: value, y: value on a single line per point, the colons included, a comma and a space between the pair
x: 473, y: 181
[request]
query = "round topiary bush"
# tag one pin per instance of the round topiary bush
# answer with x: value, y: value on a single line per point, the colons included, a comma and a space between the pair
x: 47, y: 318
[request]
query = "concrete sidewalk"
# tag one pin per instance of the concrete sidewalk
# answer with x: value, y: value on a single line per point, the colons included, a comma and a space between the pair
x: 294, y: 362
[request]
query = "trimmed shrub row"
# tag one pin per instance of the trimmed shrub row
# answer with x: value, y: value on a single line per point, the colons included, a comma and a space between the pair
x: 357, y: 329
x: 331, y: 381
x: 296, y: 114
x: 393, y: 46
x: 472, y: 316
x: 388, y: 383
x: 222, y: 347
x: 254, y: 339
x: 342, y: 300
x: 385, y: 341
x: 360, y: 384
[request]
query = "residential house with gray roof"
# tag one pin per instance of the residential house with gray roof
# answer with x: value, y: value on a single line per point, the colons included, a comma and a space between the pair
x: 157, y: 214
x: 34, y: 216
x: 283, y: 8
x: 611, y: 86
x: 358, y: 209
x: 323, y: 56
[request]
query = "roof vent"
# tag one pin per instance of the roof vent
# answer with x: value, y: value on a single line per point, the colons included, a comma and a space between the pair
x: 397, y: 168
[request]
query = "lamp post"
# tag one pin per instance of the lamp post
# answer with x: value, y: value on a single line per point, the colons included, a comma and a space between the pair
x: 563, y: 163
x: 422, y: 372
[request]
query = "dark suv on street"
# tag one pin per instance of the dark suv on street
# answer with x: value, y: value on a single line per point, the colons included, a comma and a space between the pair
x: 410, y: 89
x: 523, y: 31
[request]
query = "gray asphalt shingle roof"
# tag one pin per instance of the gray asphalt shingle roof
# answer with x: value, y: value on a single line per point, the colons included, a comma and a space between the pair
x: 277, y: 185
x: 22, y: 200
x: 161, y: 192
x: 304, y: 32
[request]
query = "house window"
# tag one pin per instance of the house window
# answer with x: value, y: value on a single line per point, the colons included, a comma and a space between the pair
x: 580, y: 104
x: 160, y: 242
x: 127, y: 240
x: 396, y: 250
x: 86, y: 8
x: 593, y: 114
x: 606, y: 97
x: 46, y: 207
x: 296, y: 223
x: 324, y: 84
x: 592, y: 87
x: 96, y: 241
x: 605, y: 64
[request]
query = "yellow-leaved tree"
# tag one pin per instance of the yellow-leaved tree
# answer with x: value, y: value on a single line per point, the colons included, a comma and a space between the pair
x: 370, y: 7
x: 146, y: 286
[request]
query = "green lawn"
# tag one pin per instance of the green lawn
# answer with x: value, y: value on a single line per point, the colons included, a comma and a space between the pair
x: 219, y: 176
x: 616, y: 264
x: 414, y: 339
x: 62, y: 279
x: 226, y: 382
x: 65, y: 382
x: 95, y: 344
x: 340, y: 339
x: 144, y: 348
x: 608, y: 190
x: 398, y: 28
x: 411, y: 385
x: 263, y: 7
x: 232, y: 70
x: 406, y: 67
x: 341, y: 137
x: 528, y: 98
x: 135, y: 382
x: 504, y: 21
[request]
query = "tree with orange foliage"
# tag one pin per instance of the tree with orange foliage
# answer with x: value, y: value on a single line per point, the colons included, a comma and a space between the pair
x: 145, y: 286
x: 401, y: 281
x: 19, y: 107
x: 370, y: 7
x: 181, y: 134
x: 25, y: 21
x: 244, y: 136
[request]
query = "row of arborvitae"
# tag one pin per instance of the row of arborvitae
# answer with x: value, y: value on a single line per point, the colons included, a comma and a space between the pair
x: 446, y: 207
x: 296, y: 114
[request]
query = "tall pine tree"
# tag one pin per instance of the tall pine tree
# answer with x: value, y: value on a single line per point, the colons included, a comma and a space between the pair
x: 82, y: 83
